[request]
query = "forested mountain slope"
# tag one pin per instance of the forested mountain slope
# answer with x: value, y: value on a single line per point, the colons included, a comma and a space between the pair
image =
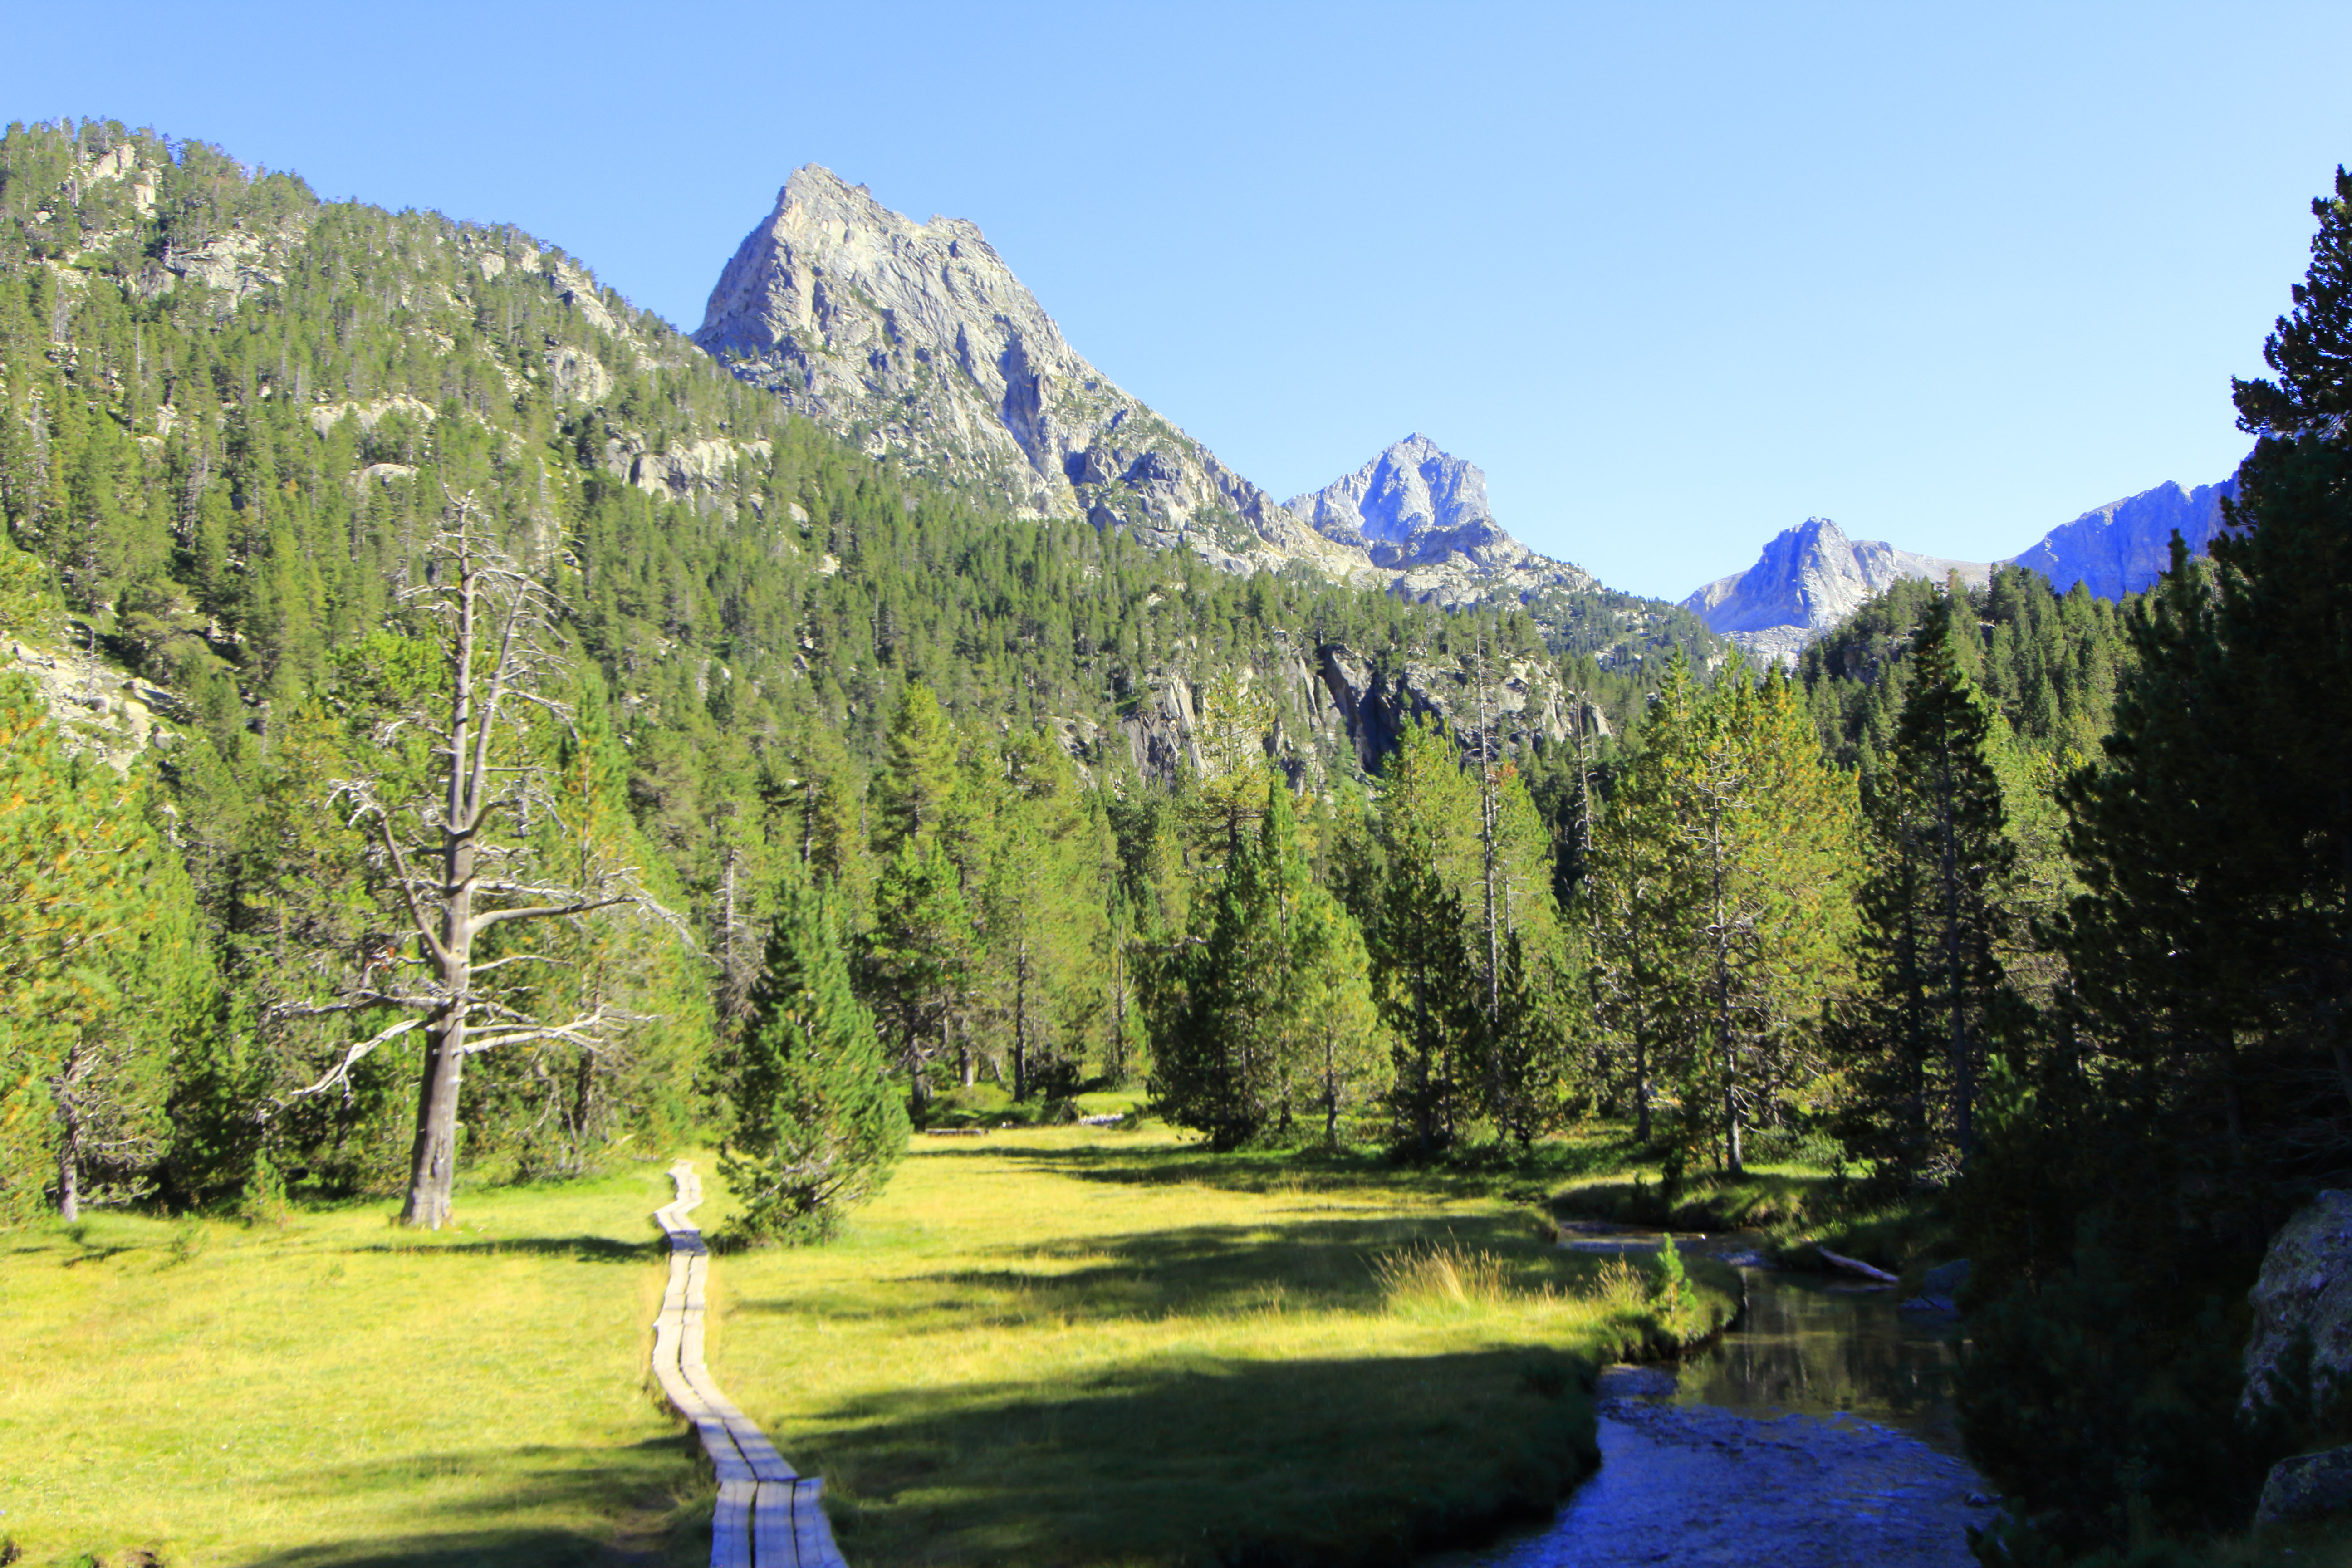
x: 232, y: 420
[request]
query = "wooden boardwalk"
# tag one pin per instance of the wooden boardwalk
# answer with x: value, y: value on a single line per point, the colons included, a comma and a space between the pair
x: 768, y: 1516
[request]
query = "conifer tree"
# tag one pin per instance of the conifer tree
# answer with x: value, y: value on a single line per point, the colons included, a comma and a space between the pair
x: 98, y: 976
x: 818, y: 1124
x: 919, y: 961
x: 2311, y: 348
x: 1727, y: 880
x: 1935, y: 916
x: 1258, y: 1018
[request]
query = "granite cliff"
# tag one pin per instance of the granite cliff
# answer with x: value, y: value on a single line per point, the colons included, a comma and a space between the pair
x: 2125, y: 546
x: 916, y: 342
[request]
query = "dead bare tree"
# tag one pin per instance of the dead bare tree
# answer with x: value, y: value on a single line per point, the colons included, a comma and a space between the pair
x: 458, y: 860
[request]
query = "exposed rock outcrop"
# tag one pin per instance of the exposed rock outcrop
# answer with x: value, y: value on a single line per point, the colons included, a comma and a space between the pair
x: 2304, y: 1288
x: 2307, y: 1487
x: 1338, y: 713
x: 105, y: 711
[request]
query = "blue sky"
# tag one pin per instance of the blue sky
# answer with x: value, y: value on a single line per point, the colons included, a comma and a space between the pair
x: 1675, y: 277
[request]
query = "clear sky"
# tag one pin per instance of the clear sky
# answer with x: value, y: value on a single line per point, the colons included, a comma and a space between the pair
x: 1677, y: 276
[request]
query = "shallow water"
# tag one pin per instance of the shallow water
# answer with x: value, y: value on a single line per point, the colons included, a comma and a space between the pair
x: 1818, y: 1432
x: 1812, y: 1344
x: 1815, y: 1344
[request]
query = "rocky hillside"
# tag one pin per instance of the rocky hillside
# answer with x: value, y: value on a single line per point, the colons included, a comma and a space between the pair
x: 1811, y: 577
x: 916, y: 342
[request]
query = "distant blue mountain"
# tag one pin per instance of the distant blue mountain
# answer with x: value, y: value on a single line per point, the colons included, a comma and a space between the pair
x: 2125, y: 546
x: 1811, y: 576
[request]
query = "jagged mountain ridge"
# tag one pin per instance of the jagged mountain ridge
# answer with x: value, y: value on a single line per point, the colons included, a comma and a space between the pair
x: 916, y: 342
x: 1810, y: 578
x: 2125, y: 546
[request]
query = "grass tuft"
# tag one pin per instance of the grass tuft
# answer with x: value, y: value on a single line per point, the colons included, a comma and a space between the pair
x: 1440, y: 1276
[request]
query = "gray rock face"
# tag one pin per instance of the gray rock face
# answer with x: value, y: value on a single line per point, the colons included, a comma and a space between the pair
x: 1337, y: 713
x: 1410, y: 505
x: 2305, y: 1287
x: 2125, y: 546
x: 2307, y: 1487
x: 918, y: 341
x: 1808, y: 580
x: 1423, y: 514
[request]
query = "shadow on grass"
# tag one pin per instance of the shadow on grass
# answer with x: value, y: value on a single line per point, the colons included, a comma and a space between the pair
x: 578, y: 1249
x: 648, y: 1491
x: 1506, y: 1172
x: 1338, y: 1463
x: 1196, y: 1271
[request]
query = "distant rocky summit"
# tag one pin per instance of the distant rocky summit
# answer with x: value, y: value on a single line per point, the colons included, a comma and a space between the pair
x: 1422, y: 514
x: 916, y: 342
x: 1811, y: 577
x: 2125, y: 546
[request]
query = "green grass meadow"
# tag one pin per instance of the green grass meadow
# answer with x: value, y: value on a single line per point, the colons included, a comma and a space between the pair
x: 1045, y: 1345
x: 335, y: 1391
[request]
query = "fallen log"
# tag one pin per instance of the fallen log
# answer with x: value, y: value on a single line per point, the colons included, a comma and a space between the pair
x: 1856, y: 1266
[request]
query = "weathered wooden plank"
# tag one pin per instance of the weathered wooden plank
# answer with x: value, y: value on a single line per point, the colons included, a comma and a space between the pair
x: 730, y: 1525
x: 771, y: 1526
x: 766, y: 1516
x: 812, y: 1531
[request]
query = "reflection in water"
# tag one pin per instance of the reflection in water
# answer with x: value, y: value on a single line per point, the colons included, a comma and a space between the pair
x: 1809, y: 1343
x: 1735, y: 1465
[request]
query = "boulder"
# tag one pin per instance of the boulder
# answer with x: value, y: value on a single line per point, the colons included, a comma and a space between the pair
x: 2307, y: 1487
x: 1946, y: 1278
x: 2305, y: 1287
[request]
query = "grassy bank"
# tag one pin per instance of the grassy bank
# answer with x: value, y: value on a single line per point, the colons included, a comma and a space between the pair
x: 1072, y: 1345
x: 1794, y: 1205
x: 334, y: 1391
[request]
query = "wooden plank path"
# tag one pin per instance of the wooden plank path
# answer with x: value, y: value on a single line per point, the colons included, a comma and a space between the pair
x: 768, y: 1516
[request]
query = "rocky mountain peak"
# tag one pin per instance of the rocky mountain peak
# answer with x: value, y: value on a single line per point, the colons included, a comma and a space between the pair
x: 1808, y: 579
x: 918, y: 341
x: 1412, y: 505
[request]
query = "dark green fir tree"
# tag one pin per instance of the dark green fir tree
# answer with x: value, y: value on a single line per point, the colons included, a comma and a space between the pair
x: 818, y: 1122
x: 1934, y: 993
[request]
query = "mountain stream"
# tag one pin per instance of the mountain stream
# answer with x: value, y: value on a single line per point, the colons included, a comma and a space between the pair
x: 1818, y: 1434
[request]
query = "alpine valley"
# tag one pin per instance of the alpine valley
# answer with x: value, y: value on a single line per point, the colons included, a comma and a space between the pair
x: 1148, y: 971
